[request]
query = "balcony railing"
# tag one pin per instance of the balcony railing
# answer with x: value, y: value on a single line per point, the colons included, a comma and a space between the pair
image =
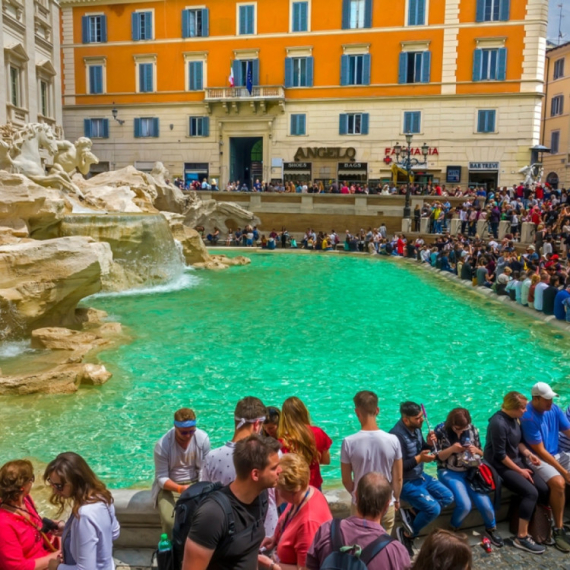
x: 258, y: 93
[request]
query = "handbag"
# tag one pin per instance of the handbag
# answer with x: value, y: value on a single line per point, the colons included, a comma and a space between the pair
x: 481, y: 479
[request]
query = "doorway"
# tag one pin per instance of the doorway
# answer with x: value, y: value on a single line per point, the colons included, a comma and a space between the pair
x: 246, y: 160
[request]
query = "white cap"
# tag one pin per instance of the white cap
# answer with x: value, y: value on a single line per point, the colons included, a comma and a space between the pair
x: 543, y: 390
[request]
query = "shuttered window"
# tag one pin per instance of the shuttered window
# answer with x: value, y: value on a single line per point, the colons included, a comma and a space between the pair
x: 95, y: 79
x: 195, y: 23
x: 412, y: 122
x: 146, y: 77
x: 298, y: 124
x: 415, y: 67
x: 486, y: 121
x: 94, y: 29
x: 246, y: 19
x: 416, y: 12
x: 146, y: 127
x: 355, y: 69
x: 356, y: 14
x: 490, y: 64
x: 300, y: 16
x: 493, y: 10
x: 142, y: 26
x: 195, y: 76
x: 199, y: 126
x: 96, y: 128
x: 353, y: 123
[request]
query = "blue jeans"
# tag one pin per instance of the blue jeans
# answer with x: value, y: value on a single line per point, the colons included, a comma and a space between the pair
x: 427, y: 497
x: 464, y: 497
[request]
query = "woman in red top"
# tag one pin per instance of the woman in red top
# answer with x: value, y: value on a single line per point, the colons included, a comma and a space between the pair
x: 306, y: 512
x: 22, y: 544
x: 297, y: 435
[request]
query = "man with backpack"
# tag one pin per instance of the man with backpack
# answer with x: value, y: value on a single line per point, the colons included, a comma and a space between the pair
x: 364, y: 530
x: 227, y: 528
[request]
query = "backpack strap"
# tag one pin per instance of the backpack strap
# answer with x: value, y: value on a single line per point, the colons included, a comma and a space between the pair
x: 336, y: 536
x: 224, y: 502
x: 375, y: 547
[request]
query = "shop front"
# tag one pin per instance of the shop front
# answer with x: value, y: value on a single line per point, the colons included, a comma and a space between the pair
x: 195, y: 171
x: 352, y: 173
x: 298, y: 172
x: 484, y: 174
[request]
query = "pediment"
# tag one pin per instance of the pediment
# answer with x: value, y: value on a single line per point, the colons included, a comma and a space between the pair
x: 46, y: 67
x: 17, y: 51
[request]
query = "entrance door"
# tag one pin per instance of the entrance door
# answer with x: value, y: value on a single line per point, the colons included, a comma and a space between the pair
x: 246, y: 160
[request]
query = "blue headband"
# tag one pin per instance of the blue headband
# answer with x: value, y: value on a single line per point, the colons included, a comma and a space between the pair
x: 186, y: 424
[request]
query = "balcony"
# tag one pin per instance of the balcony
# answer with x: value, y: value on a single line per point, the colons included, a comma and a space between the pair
x: 260, y: 96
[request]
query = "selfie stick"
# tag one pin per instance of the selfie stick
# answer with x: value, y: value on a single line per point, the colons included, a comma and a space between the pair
x: 429, y: 427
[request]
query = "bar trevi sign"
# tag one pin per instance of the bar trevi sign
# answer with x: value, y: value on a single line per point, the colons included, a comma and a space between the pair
x: 324, y: 152
x: 483, y: 166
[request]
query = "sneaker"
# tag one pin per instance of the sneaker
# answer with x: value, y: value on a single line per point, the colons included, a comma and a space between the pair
x: 561, y: 540
x: 528, y: 544
x: 407, y: 519
x: 405, y: 540
x: 495, y: 537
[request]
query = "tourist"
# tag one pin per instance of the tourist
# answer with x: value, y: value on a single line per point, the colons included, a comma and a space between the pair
x: 371, y: 449
x: 306, y: 511
x: 460, y: 449
x: 297, y: 435
x: 87, y: 539
x: 23, y: 544
x: 549, y: 295
x: 534, y: 281
x: 209, y: 545
x: 525, y: 289
x: 178, y: 458
x: 541, y: 425
x: 561, y: 303
x: 444, y: 550
x: 539, y: 290
x: 271, y: 423
x: 249, y: 417
x: 512, y: 460
x: 373, y: 498
x: 425, y: 494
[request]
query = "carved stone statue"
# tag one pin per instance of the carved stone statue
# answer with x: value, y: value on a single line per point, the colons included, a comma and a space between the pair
x: 533, y: 174
x: 77, y: 156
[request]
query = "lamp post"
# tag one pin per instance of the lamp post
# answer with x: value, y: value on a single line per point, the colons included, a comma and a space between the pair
x: 407, y: 163
x: 114, y: 112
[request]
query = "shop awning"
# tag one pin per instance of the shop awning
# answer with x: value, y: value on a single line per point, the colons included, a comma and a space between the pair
x: 352, y: 171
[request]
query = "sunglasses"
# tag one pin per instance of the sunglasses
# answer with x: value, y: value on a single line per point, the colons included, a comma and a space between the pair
x: 56, y: 486
x: 186, y: 431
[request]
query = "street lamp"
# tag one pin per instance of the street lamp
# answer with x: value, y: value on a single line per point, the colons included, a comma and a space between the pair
x: 115, y: 113
x: 406, y: 164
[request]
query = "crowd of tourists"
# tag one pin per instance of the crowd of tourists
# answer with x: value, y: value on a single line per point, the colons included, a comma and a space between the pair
x: 258, y: 502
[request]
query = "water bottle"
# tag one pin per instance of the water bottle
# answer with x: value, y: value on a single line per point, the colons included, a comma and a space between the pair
x: 164, y: 555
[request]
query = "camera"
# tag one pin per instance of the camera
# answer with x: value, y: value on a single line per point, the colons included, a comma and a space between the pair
x: 48, y: 525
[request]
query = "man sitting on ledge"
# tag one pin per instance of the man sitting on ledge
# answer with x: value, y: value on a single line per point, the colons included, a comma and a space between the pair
x: 178, y: 458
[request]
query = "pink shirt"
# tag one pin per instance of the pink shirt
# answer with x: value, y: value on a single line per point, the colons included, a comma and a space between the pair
x: 294, y: 542
x: 362, y: 532
x: 20, y: 543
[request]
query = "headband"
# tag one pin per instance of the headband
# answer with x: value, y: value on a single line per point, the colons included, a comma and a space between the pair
x: 243, y: 421
x: 185, y: 424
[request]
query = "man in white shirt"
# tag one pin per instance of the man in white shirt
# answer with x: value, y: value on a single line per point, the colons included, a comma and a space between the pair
x: 249, y: 415
x: 178, y: 459
x: 372, y: 449
x: 539, y: 290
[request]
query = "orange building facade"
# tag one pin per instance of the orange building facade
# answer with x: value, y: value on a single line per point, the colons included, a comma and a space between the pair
x: 322, y: 89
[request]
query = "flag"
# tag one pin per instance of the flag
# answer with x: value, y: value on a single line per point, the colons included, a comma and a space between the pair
x: 231, y: 77
x: 249, y: 77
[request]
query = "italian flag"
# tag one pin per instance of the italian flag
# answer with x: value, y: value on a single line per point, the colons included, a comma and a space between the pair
x: 231, y: 77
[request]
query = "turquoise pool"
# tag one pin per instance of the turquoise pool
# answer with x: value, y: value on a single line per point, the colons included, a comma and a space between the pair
x: 317, y: 326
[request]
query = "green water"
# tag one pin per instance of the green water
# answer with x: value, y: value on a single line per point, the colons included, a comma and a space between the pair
x: 317, y: 326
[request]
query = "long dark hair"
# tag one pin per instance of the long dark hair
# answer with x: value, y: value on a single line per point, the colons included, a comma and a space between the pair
x: 459, y: 417
x: 444, y: 550
x: 86, y: 488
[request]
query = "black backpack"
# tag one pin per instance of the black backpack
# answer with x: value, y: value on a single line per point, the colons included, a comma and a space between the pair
x: 352, y: 557
x: 188, y: 504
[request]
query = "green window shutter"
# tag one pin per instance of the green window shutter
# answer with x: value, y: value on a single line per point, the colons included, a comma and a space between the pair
x: 310, y: 71
x: 103, y: 29
x: 87, y: 128
x: 480, y: 12
x: 302, y: 124
x: 294, y: 125
x: 85, y: 36
x: 366, y: 69
x: 238, y: 79
x: 343, y: 124
x: 185, y: 23
x: 368, y: 13
x: 105, y: 128
x: 504, y: 10
x: 407, y: 122
x: 304, y: 16
x: 155, y: 127
x: 137, y: 128
x: 364, y: 123
x: 242, y: 20
x: 206, y: 126
x: 416, y: 122
x: 195, y: 75
x: 502, y: 64
x: 288, y: 72
x: 426, y: 66
x: 344, y: 69
x: 477, y: 60
x: 412, y: 12
x: 136, y: 26
x: 148, y: 25
x: 255, y: 72
x: 403, y: 68
x: 205, y: 23
x: 345, y: 14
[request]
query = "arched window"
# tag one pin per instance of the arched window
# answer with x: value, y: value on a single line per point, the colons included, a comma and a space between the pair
x: 552, y: 179
x: 257, y: 151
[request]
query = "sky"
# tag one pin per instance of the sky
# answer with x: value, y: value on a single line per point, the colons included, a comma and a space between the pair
x: 554, y: 19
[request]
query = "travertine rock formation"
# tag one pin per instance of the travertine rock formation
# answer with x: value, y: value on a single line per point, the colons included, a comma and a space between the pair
x: 41, y: 282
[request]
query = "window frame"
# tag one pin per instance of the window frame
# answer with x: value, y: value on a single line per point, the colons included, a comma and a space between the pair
x: 141, y: 60
x: 103, y: 78
x: 354, y: 117
x: 196, y: 123
x: 425, y: 14
x: 101, y: 122
x: 299, y: 74
x: 557, y: 106
x: 199, y: 14
x: 478, y: 119
x: 291, y: 121
x: 557, y: 133
x: 238, y: 18
x: 415, y: 113
x: 15, y: 74
x: 486, y: 69
x: 558, y: 73
x: 93, y: 19
x: 292, y: 14
x: 45, y: 99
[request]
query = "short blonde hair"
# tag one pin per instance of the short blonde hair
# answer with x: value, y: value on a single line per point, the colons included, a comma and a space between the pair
x: 514, y: 401
x: 295, y: 473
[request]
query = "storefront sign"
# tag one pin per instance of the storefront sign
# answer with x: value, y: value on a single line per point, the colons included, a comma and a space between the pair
x: 483, y: 166
x: 453, y: 174
x: 433, y: 151
x: 353, y: 166
x: 325, y: 152
x: 297, y: 165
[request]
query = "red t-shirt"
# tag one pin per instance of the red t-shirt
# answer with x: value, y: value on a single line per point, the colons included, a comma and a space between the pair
x: 293, y: 544
x: 323, y: 443
x: 20, y: 543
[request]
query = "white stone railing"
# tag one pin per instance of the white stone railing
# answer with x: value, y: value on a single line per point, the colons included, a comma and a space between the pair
x: 259, y: 92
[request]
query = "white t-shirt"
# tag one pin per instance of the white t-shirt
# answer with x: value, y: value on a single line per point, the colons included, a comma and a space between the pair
x: 368, y: 451
x: 219, y: 468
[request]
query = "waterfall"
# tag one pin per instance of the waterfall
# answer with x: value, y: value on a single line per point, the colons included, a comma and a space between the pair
x: 142, y: 245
